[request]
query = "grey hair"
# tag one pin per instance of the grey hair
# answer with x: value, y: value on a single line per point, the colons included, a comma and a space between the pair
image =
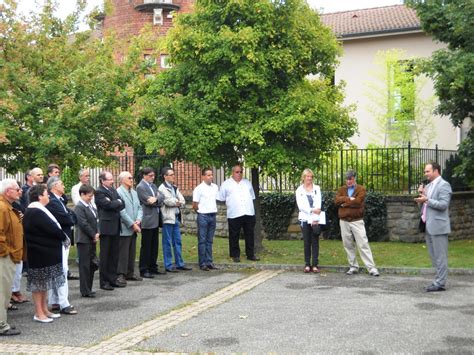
x: 123, y: 175
x: 6, y: 184
x: 351, y: 174
x: 82, y: 171
x: 52, y: 181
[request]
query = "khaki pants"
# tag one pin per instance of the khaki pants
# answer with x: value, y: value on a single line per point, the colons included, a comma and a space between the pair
x: 354, y: 233
x: 7, y: 270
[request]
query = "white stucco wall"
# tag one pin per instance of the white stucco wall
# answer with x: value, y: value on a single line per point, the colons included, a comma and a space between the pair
x: 356, y: 67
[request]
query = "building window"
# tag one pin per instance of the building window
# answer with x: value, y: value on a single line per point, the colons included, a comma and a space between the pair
x: 149, y: 59
x: 158, y: 16
x: 164, y: 61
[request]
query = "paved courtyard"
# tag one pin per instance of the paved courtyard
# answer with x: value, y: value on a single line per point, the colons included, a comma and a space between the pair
x: 251, y: 311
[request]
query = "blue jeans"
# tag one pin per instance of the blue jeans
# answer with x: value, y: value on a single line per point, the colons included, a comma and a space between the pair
x: 172, y: 240
x: 206, y: 223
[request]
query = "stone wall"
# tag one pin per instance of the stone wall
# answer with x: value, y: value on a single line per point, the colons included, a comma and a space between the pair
x: 403, y: 218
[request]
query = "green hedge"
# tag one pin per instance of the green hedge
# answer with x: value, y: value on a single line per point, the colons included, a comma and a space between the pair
x: 276, y: 209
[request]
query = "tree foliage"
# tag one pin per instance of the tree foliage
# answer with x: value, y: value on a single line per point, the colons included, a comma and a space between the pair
x: 397, y: 103
x: 64, y: 97
x: 452, y: 69
x: 238, y: 87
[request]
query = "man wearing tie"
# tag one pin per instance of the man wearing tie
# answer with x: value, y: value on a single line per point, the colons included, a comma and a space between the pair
x: 434, y: 201
x: 66, y: 219
x: 109, y: 204
x: 151, y: 200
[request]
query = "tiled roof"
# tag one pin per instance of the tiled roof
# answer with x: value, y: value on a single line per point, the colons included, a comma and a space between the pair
x: 366, y: 22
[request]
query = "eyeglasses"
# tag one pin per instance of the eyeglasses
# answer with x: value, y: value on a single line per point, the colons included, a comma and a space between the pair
x: 16, y: 189
x: 238, y: 171
x: 172, y: 174
x: 130, y: 177
x: 150, y: 175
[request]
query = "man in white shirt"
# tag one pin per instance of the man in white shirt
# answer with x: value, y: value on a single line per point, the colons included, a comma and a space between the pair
x: 84, y: 179
x: 204, y: 203
x: 238, y: 195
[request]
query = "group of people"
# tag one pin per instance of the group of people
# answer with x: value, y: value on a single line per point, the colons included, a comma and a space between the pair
x: 434, y: 199
x: 37, y: 226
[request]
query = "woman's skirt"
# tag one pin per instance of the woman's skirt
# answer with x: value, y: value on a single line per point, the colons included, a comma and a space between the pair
x: 45, y: 278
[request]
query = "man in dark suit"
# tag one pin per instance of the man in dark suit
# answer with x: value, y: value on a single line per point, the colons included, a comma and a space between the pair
x: 151, y: 200
x: 109, y: 206
x: 65, y: 217
x: 434, y: 201
x: 87, y: 236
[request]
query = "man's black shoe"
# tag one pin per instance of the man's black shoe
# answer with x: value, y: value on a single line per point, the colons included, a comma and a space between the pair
x: 434, y: 288
x: 171, y: 270
x: 205, y: 268
x: 236, y: 259
x: 253, y: 258
x: 212, y: 267
x: 147, y: 275
x: 107, y: 287
x: 184, y: 268
x: 118, y: 283
x: 156, y: 272
x: 89, y: 295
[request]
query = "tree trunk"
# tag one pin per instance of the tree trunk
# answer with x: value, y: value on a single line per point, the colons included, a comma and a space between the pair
x: 258, y: 225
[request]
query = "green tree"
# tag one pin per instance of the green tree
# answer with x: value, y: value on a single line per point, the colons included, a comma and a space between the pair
x: 64, y: 97
x: 238, y: 88
x: 397, y: 102
x: 452, y: 69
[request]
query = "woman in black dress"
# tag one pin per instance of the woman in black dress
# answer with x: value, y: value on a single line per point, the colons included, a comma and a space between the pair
x: 44, y: 238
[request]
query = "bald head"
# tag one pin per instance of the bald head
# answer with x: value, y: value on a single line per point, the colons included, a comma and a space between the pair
x: 37, y: 175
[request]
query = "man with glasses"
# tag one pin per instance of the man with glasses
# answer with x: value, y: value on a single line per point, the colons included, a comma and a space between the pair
x: 238, y: 195
x: 351, y: 202
x: 151, y: 200
x: 58, y: 297
x: 171, y: 212
x: 11, y: 248
x: 131, y: 217
x: 109, y: 204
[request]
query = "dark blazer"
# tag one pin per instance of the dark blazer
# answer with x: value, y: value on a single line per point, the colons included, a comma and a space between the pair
x: 150, y: 219
x: 86, y: 227
x: 43, y: 239
x: 109, y: 206
x: 63, y: 214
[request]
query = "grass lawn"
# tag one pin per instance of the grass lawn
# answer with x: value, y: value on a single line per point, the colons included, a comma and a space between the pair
x: 331, y: 252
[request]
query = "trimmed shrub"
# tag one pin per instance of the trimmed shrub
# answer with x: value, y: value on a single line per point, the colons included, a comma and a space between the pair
x: 276, y: 209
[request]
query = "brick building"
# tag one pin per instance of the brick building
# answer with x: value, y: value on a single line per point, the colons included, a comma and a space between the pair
x: 126, y: 19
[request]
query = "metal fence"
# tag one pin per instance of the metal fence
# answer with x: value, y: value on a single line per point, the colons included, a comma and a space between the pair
x: 387, y: 170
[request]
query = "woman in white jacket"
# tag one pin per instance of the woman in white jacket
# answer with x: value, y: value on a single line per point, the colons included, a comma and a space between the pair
x: 308, y: 199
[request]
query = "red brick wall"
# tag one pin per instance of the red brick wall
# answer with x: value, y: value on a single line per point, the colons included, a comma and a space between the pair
x: 125, y: 21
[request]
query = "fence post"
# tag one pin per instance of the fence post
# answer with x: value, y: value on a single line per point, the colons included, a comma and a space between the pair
x: 342, y: 169
x: 436, y: 154
x: 409, y: 168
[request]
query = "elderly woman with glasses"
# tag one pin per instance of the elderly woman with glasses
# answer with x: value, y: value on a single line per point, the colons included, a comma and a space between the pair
x: 308, y: 199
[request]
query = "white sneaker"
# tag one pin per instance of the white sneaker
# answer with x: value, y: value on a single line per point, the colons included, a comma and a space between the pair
x: 352, y: 271
x: 374, y: 272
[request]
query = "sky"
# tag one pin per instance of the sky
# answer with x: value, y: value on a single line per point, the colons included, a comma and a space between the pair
x: 324, y: 6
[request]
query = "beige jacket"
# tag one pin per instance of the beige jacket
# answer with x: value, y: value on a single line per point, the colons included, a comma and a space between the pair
x: 169, y: 210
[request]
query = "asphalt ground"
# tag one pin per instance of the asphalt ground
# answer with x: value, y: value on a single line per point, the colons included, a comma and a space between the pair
x: 291, y: 313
